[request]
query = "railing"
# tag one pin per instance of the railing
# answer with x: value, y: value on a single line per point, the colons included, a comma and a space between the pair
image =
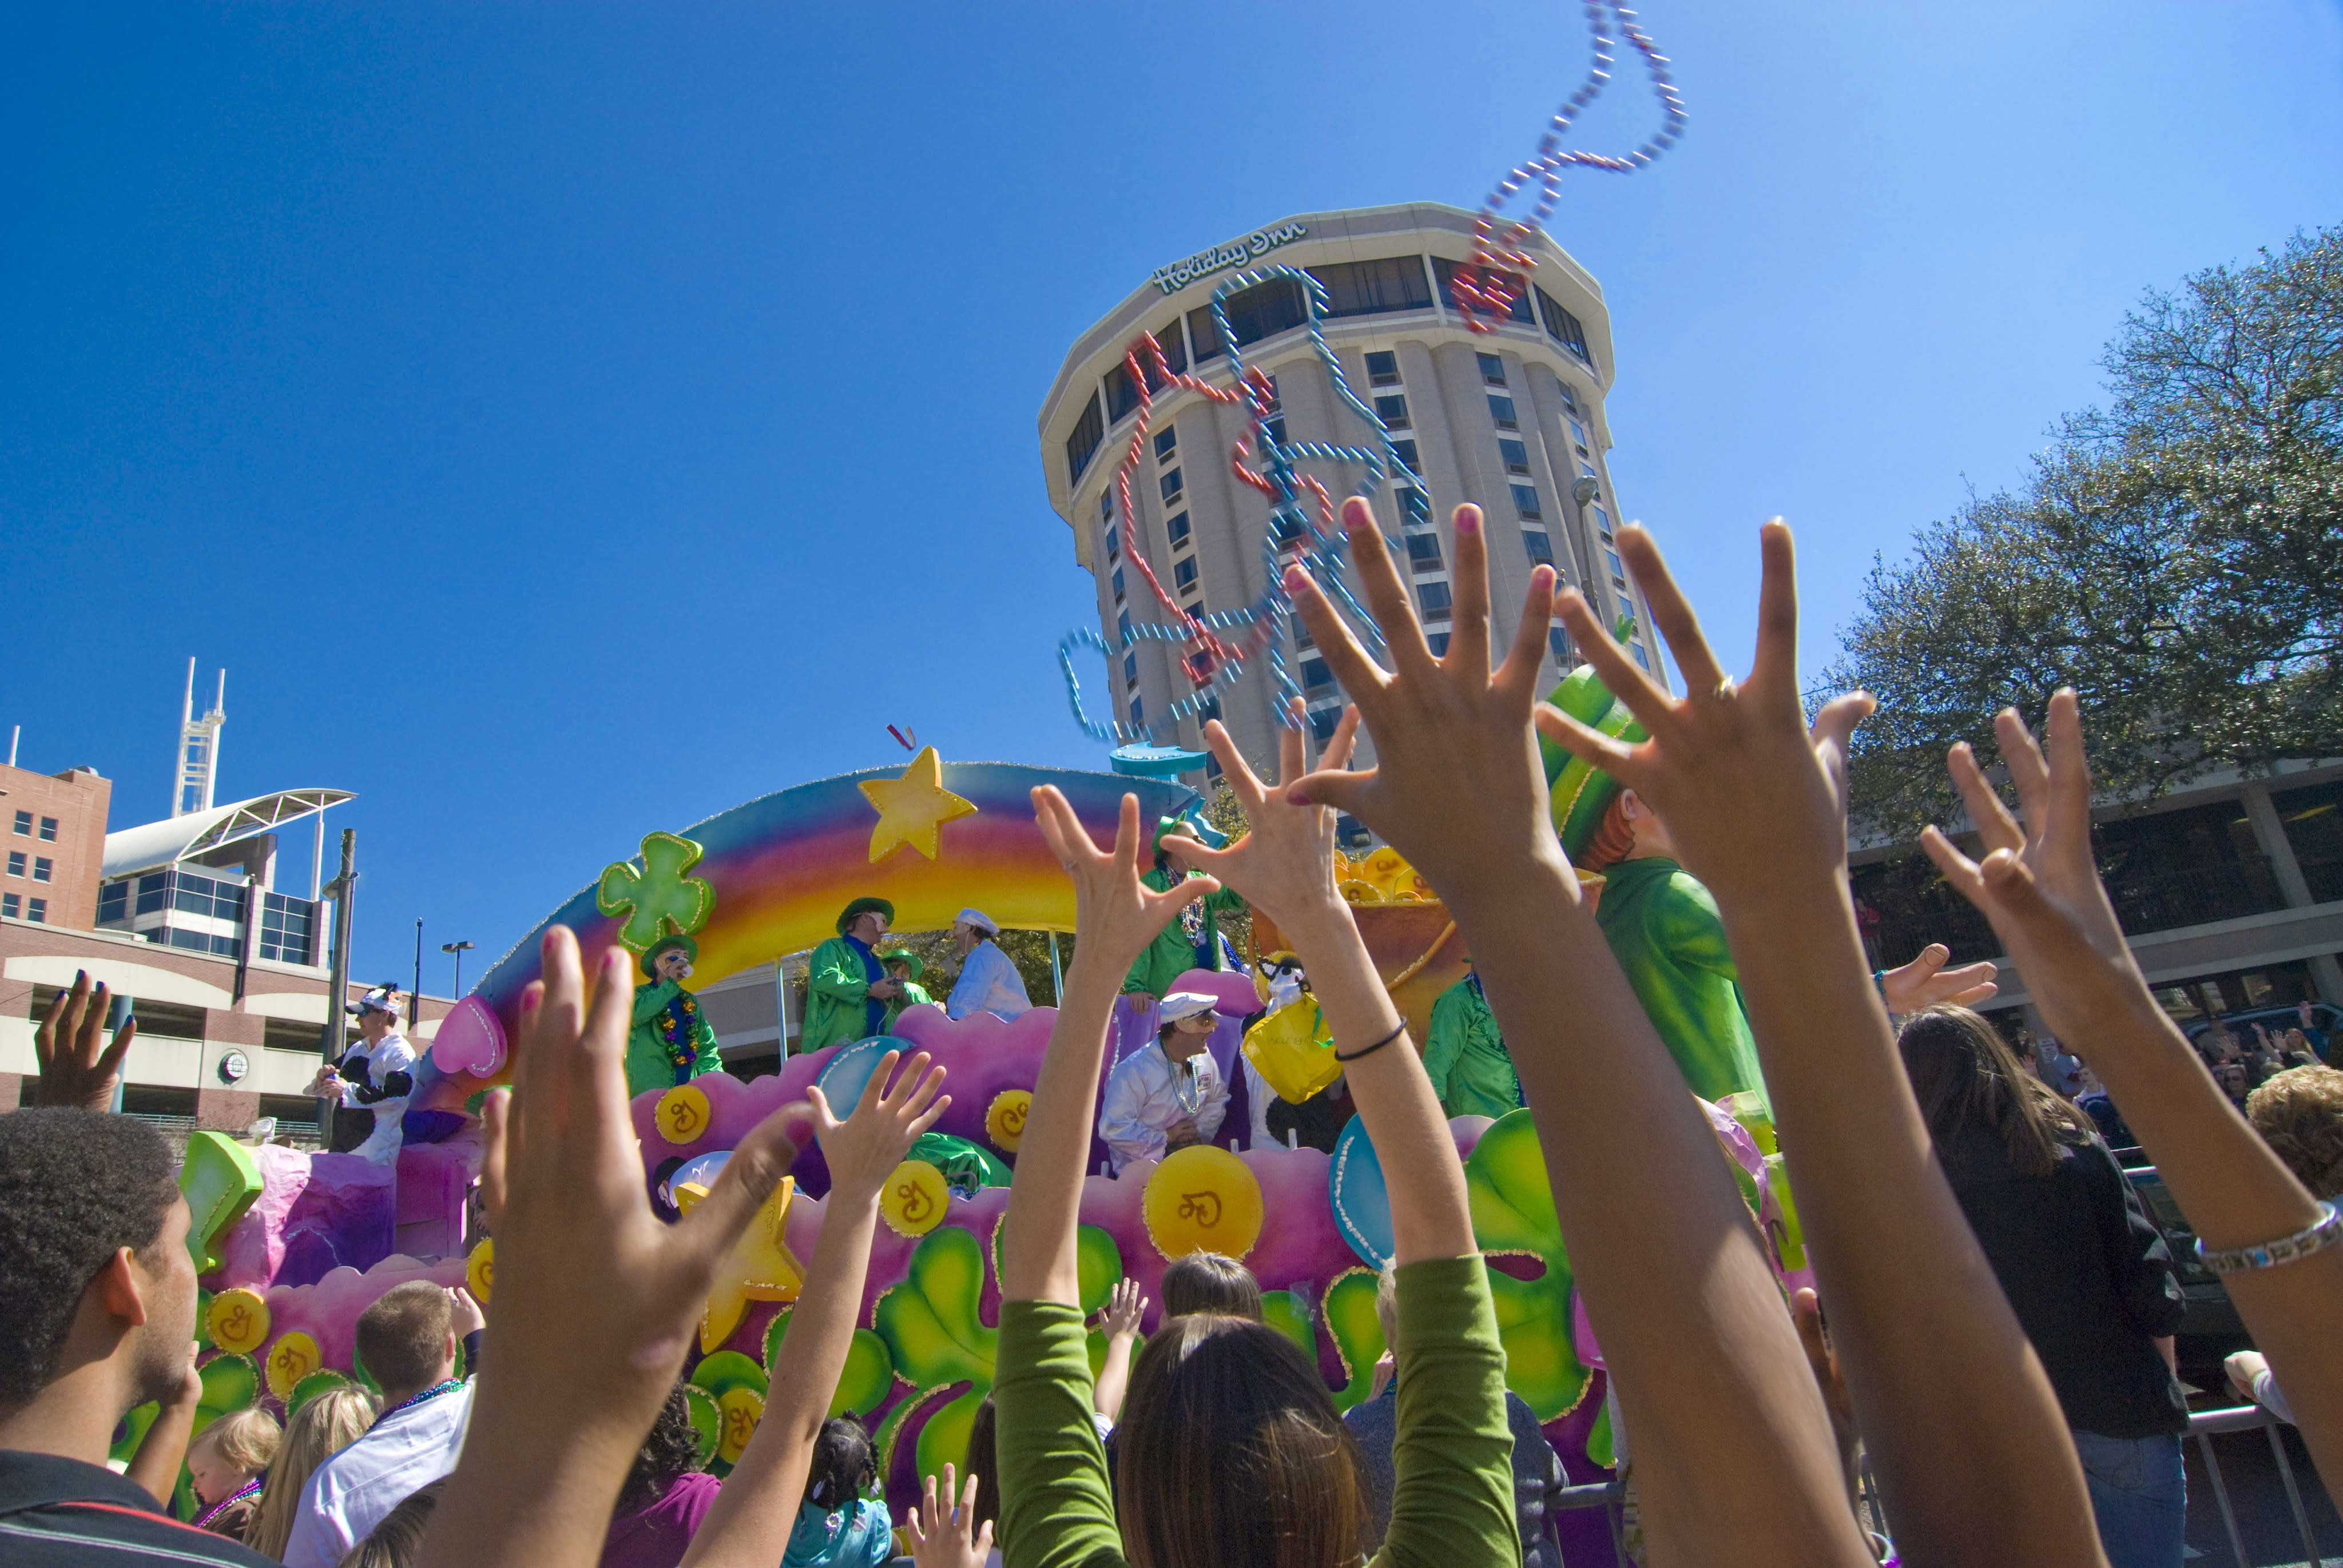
x: 2204, y: 1426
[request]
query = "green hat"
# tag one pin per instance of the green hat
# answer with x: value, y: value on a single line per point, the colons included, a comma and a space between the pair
x: 1189, y: 824
x: 861, y: 906
x: 1581, y: 794
x: 903, y: 955
x: 690, y: 949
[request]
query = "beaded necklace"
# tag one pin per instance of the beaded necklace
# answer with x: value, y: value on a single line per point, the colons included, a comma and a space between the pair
x: 249, y: 1489
x: 451, y: 1386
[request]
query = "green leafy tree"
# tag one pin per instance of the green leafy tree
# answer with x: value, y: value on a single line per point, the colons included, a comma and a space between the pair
x: 2176, y: 556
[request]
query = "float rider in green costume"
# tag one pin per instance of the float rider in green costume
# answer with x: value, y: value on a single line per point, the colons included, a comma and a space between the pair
x: 904, y: 968
x: 847, y: 992
x: 1193, y: 940
x: 1464, y: 1054
x: 671, y: 1042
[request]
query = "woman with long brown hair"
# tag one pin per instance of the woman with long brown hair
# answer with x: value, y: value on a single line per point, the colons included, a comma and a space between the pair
x: 2087, y: 1272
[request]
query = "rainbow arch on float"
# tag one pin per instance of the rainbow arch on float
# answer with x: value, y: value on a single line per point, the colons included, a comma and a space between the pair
x: 783, y: 865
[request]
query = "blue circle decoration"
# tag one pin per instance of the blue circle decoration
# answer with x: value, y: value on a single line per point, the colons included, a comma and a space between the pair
x: 1361, y: 1199
x: 842, y: 1078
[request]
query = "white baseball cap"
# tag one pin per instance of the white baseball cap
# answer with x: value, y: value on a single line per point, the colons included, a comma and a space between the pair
x: 1182, y: 1004
x: 981, y: 921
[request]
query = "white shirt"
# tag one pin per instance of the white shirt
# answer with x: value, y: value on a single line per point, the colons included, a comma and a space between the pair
x: 988, y: 982
x: 386, y: 1056
x: 350, y: 1493
x: 1147, y: 1094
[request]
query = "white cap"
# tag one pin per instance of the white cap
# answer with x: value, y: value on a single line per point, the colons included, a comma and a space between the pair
x: 981, y: 921
x: 381, y: 999
x: 1182, y: 1004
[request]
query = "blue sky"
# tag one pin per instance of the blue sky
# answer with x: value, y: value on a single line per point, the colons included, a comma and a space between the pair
x: 565, y: 421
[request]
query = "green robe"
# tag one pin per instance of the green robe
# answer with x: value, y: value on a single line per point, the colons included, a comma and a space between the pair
x: 648, y: 1066
x: 1172, y: 953
x: 837, y: 998
x: 914, y: 993
x: 1465, y: 1057
x: 1663, y: 928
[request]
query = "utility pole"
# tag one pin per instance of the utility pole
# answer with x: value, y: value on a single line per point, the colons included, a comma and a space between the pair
x: 414, y: 997
x: 458, y: 949
x: 344, y: 891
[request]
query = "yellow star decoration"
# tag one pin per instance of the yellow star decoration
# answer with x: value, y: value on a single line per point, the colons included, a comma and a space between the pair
x: 913, y: 809
x: 762, y: 1267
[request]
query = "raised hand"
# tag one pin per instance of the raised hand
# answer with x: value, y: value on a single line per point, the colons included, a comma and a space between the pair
x: 945, y: 1534
x: 887, y: 1120
x: 586, y: 1276
x: 1438, y: 721
x: 1927, y: 983
x: 1747, y: 786
x: 1284, y: 865
x: 1111, y: 907
x: 77, y: 1066
x: 1124, y: 1307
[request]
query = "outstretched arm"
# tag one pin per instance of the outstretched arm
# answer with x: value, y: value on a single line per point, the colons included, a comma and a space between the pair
x: 1733, y: 1447
x: 1968, y: 1439
x: 759, y: 1501
x: 2040, y: 887
x: 1124, y: 1307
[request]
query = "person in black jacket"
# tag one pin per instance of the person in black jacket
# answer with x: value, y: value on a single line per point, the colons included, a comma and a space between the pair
x: 2085, y: 1270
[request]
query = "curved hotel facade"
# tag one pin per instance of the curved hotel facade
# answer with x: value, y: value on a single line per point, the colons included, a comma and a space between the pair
x: 1511, y: 419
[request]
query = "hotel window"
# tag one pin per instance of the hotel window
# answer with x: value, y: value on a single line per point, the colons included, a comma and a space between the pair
x: 1501, y: 409
x: 1177, y: 530
x: 1264, y: 310
x: 1374, y: 287
x: 1493, y: 370
x: 1424, y: 552
x: 1405, y: 452
x: 1391, y: 409
x: 1207, y: 709
x: 1118, y: 584
x: 1516, y: 455
x: 113, y: 901
x: 38, y: 908
x: 1131, y: 669
x: 1540, y: 547
x: 49, y: 830
x: 1383, y: 368
x: 1564, y: 328
x: 1434, y: 598
x: 1122, y: 394
x: 1206, y: 334
x: 1183, y: 574
x: 1122, y: 623
x: 12, y: 906
x: 24, y: 824
x: 15, y: 862
x: 1438, y: 642
x: 1642, y: 658
x: 1114, y: 543
x: 1602, y: 522
x: 1302, y: 634
x: 41, y: 868
x: 1277, y: 430
x: 1167, y: 441
x: 1577, y: 434
x: 1175, y: 353
x: 1138, y: 711
x: 1083, y: 444
x: 1618, y: 572
x: 1171, y: 487
x: 1514, y: 281
x: 1323, y: 721
x: 1315, y: 676
x: 1525, y: 501
x: 1558, y: 639
x: 1569, y: 399
x: 1414, y: 508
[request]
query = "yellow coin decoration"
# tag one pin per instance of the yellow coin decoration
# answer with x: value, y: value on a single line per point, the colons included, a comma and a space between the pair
x: 1202, y: 1199
x: 682, y: 1114
x: 293, y: 1357
x: 481, y: 1270
x: 743, y: 1409
x: 914, y: 1198
x: 238, y: 1321
x: 1004, y: 1118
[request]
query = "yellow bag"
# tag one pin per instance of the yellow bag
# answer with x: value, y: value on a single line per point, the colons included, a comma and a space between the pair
x: 1293, y: 1052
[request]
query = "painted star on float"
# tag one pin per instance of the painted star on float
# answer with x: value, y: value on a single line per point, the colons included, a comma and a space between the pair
x: 913, y: 808
x: 761, y: 1268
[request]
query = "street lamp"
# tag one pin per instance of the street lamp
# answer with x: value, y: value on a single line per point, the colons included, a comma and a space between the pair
x: 458, y: 949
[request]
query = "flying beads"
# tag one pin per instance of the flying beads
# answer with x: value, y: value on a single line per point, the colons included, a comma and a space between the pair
x: 1484, y: 290
x: 1298, y: 534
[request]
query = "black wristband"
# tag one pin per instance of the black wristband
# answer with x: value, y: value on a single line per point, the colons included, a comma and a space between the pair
x: 1370, y: 1051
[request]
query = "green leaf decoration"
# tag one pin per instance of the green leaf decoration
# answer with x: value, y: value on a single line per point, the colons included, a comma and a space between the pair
x: 725, y: 1371
x: 944, y: 1440
x: 1290, y: 1314
x: 230, y: 1383
x: 930, y: 1320
x: 1599, y: 1445
x: 1357, y: 1332
x: 660, y: 900
x: 1513, y: 1212
x: 706, y: 1422
x: 324, y: 1380
x: 132, y: 1429
x: 1098, y: 1265
x: 203, y: 1319
x: 866, y: 1378
x: 220, y: 1181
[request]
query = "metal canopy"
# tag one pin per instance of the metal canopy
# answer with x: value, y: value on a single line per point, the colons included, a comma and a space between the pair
x: 155, y: 845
